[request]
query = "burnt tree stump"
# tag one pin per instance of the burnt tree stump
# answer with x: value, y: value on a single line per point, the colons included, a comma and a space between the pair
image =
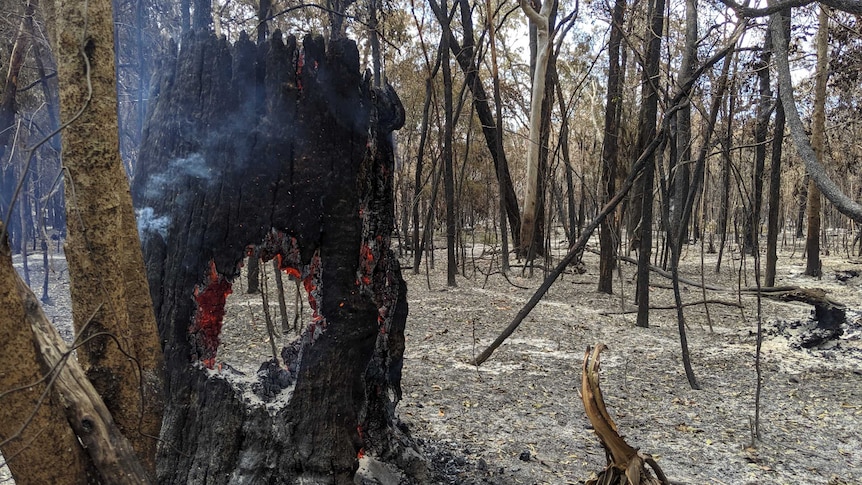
x: 286, y: 148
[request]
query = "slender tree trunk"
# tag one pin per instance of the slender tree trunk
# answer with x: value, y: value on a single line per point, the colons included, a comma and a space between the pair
x: 774, y: 196
x: 420, y: 162
x: 681, y: 170
x: 532, y: 197
x: 498, y: 147
x: 568, y: 216
x: 724, y: 199
x: 751, y: 231
x: 448, y: 172
x: 646, y: 132
x: 282, y: 303
x: 818, y: 143
x: 801, y: 206
x: 775, y: 182
x: 608, y: 232
x: 110, y: 295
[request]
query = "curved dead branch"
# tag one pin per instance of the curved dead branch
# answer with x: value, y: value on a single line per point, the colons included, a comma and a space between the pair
x: 625, y: 464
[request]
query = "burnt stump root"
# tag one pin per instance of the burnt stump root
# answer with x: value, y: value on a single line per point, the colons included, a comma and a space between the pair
x: 829, y: 315
x: 286, y: 147
x: 626, y: 465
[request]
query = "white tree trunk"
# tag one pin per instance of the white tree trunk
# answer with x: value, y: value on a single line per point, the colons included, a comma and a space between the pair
x: 543, y: 53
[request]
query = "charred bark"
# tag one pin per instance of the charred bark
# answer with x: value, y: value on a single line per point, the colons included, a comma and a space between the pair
x: 310, y: 183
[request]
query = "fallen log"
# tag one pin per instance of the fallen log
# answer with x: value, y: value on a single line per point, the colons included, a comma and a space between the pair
x: 626, y: 465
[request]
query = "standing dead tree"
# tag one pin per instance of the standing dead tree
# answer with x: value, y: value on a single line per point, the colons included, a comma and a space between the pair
x: 287, y: 148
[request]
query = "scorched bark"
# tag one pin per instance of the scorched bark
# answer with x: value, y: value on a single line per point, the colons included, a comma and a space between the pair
x: 287, y: 148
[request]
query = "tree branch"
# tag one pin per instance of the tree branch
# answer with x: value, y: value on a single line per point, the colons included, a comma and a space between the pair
x: 813, y: 166
x: 849, y: 6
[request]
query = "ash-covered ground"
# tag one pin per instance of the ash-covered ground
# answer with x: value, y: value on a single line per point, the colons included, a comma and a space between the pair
x: 518, y: 418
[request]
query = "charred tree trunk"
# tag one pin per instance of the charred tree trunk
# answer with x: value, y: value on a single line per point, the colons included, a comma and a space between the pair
x: 751, y: 233
x: 448, y: 171
x: 253, y: 273
x: 646, y: 133
x: 316, y: 195
x: 608, y: 233
x: 775, y: 183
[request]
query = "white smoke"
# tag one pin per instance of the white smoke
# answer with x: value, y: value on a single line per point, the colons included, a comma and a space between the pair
x: 193, y: 166
x: 149, y: 223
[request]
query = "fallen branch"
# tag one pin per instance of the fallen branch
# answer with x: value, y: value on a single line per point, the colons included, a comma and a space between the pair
x: 750, y: 290
x: 673, y: 307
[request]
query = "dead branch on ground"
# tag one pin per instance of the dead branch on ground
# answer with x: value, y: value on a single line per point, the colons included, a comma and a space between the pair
x: 673, y: 307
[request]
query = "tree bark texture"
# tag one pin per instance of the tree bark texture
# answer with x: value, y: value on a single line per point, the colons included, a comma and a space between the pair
x: 608, y: 231
x: 532, y: 197
x: 37, y: 443
x: 818, y: 143
x: 109, y: 292
x: 310, y: 182
x: 775, y: 177
x: 646, y: 132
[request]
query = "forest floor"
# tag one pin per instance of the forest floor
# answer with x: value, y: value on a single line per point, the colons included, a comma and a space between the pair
x: 518, y: 418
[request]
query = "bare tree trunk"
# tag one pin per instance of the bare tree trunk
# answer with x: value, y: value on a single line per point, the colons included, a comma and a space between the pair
x: 818, y: 143
x: 801, y: 206
x: 498, y: 106
x: 751, y: 231
x: 724, y: 199
x: 529, y: 229
x: 774, y: 196
x: 38, y: 445
x: 111, y: 303
x: 448, y: 171
x: 608, y: 231
x: 681, y: 171
x: 282, y: 303
x: 646, y: 132
x: 420, y: 161
x: 775, y: 181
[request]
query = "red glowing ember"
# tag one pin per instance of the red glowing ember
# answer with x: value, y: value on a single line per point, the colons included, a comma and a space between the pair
x: 209, y: 315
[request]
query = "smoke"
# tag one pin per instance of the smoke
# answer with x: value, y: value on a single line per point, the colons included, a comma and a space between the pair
x: 149, y: 223
x: 194, y: 166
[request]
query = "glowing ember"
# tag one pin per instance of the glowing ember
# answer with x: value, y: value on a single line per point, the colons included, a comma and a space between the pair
x: 209, y: 316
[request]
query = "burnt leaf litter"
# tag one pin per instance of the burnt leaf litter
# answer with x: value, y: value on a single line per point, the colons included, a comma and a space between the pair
x: 518, y: 418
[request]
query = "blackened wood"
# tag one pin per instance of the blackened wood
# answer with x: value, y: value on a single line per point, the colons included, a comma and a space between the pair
x: 246, y: 142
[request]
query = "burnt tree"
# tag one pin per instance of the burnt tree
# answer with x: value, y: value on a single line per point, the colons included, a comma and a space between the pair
x: 287, y: 148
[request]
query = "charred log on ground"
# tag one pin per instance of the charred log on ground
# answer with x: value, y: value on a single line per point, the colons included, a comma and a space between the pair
x: 287, y: 148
